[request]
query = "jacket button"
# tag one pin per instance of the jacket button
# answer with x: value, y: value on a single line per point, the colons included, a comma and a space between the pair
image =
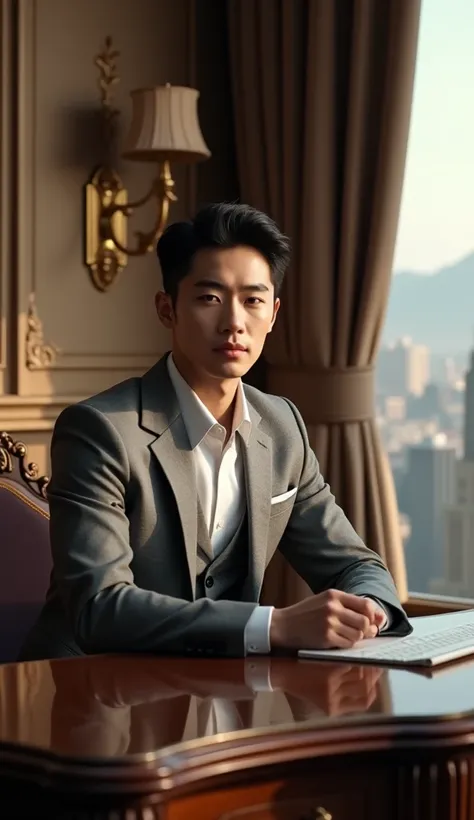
x: 209, y: 582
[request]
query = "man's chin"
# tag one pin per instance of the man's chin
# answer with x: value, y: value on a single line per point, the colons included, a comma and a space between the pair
x: 230, y: 370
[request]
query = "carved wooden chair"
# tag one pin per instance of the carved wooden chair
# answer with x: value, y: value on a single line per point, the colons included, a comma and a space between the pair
x: 25, y: 554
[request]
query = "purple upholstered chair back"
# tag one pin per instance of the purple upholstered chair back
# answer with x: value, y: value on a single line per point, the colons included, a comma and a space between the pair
x: 25, y: 554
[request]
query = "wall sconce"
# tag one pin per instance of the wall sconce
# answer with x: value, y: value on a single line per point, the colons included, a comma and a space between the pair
x: 164, y: 129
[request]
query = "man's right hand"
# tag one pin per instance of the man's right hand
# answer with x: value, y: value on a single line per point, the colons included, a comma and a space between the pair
x: 329, y: 620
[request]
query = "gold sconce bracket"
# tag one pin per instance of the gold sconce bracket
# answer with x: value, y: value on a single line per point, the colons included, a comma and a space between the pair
x: 162, y: 191
x: 164, y: 127
x: 104, y: 257
x: 107, y: 210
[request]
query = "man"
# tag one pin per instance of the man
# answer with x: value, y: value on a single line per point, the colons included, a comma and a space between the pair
x: 170, y: 493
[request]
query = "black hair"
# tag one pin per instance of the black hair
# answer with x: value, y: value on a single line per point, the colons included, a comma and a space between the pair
x: 221, y: 225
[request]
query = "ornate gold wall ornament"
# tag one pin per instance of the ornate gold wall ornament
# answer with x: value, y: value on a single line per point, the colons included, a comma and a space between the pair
x: 108, y: 77
x: 39, y: 355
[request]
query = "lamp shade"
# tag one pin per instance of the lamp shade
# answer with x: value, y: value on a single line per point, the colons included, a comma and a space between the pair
x: 165, y: 126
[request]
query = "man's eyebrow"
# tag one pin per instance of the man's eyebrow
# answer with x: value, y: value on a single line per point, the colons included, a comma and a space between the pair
x: 211, y: 283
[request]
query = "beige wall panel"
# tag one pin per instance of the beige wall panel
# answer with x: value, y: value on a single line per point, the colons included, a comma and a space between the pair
x: 5, y: 187
x: 100, y: 338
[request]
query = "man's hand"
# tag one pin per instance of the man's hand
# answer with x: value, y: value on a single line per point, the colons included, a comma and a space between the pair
x: 334, y: 689
x: 330, y: 620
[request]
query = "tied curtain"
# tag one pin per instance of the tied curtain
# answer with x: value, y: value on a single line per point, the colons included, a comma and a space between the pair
x: 322, y: 93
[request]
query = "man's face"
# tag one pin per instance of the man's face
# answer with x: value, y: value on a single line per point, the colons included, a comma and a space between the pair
x: 224, y: 310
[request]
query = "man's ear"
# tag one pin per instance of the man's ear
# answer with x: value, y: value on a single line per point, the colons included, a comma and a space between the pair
x: 276, y: 308
x: 164, y: 309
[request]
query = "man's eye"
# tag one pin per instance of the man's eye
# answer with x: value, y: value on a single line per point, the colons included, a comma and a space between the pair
x: 208, y: 297
x: 254, y: 300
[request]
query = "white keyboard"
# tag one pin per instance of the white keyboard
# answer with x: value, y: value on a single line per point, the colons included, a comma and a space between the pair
x: 412, y: 649
x: 432, y: 649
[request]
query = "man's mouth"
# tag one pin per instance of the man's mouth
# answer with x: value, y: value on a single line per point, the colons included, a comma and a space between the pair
x: 231, y: 351
x: 232, y: 347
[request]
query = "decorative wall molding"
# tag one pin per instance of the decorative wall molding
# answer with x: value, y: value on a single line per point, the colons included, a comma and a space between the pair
x: 40, y: 355
x: 31, y: 414
x: 42, y: 351
x: 135, y: 362
x: 6, y: 170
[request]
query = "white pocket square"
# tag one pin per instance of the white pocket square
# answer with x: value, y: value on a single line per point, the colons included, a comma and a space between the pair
x: 277, y: 499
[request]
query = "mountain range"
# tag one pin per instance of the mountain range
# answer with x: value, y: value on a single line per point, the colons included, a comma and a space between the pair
x: 434, y: 309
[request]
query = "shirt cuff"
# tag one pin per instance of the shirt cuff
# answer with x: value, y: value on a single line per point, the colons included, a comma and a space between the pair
x: 257, y: 631
x: 258, y: 674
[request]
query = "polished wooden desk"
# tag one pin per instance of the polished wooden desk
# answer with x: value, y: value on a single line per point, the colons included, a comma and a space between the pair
x: 134, y: 738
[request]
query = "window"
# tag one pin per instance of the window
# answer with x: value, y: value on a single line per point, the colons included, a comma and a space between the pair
x: 425, y: 372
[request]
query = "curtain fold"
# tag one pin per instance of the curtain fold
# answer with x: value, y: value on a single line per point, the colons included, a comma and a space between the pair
x: 322, y: 95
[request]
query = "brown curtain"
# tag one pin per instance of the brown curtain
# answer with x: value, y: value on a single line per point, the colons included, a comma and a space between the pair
x: 322, y: 94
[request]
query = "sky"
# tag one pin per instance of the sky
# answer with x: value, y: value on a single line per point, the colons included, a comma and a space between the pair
x: 436, y: 225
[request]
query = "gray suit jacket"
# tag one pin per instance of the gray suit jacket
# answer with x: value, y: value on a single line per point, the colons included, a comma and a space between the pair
x: 124, y: 527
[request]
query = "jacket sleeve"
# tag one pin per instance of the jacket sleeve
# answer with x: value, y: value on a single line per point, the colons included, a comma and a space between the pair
x: 322, y: 546
x: 92, y: 555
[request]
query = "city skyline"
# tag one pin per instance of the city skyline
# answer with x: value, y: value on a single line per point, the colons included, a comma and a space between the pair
x: 427, y: 428
x: 425, y: 392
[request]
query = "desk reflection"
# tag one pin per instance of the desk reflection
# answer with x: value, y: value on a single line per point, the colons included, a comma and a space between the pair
x: 120, y: 706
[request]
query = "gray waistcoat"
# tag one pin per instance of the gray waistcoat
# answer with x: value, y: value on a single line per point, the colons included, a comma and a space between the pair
x: 222, y: 577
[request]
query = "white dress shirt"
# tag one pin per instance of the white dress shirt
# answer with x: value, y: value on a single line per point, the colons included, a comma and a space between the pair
x: 220, y: 482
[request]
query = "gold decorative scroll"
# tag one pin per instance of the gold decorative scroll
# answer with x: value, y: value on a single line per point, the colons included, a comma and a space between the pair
x: 39, y: 354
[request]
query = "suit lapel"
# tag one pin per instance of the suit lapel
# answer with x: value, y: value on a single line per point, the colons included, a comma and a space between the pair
x: 258, y: 481
x: 160, y: 414
x: 173, y: 451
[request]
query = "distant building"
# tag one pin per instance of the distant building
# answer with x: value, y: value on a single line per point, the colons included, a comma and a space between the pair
x: 451, y: 375
x: 469, y: 412
x: 395, y: 408
x: 403, y: 369
x: 430, y: 404
x: 429, y: 487
x: 457, y: 574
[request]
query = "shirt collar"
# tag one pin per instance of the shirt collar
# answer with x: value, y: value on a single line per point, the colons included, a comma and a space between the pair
x: 197, y: 418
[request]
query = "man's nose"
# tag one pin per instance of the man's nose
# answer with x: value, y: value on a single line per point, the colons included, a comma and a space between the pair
x: 232, y: 318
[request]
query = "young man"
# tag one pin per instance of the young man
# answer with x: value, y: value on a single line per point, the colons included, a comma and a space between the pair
x: 170, y: 493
